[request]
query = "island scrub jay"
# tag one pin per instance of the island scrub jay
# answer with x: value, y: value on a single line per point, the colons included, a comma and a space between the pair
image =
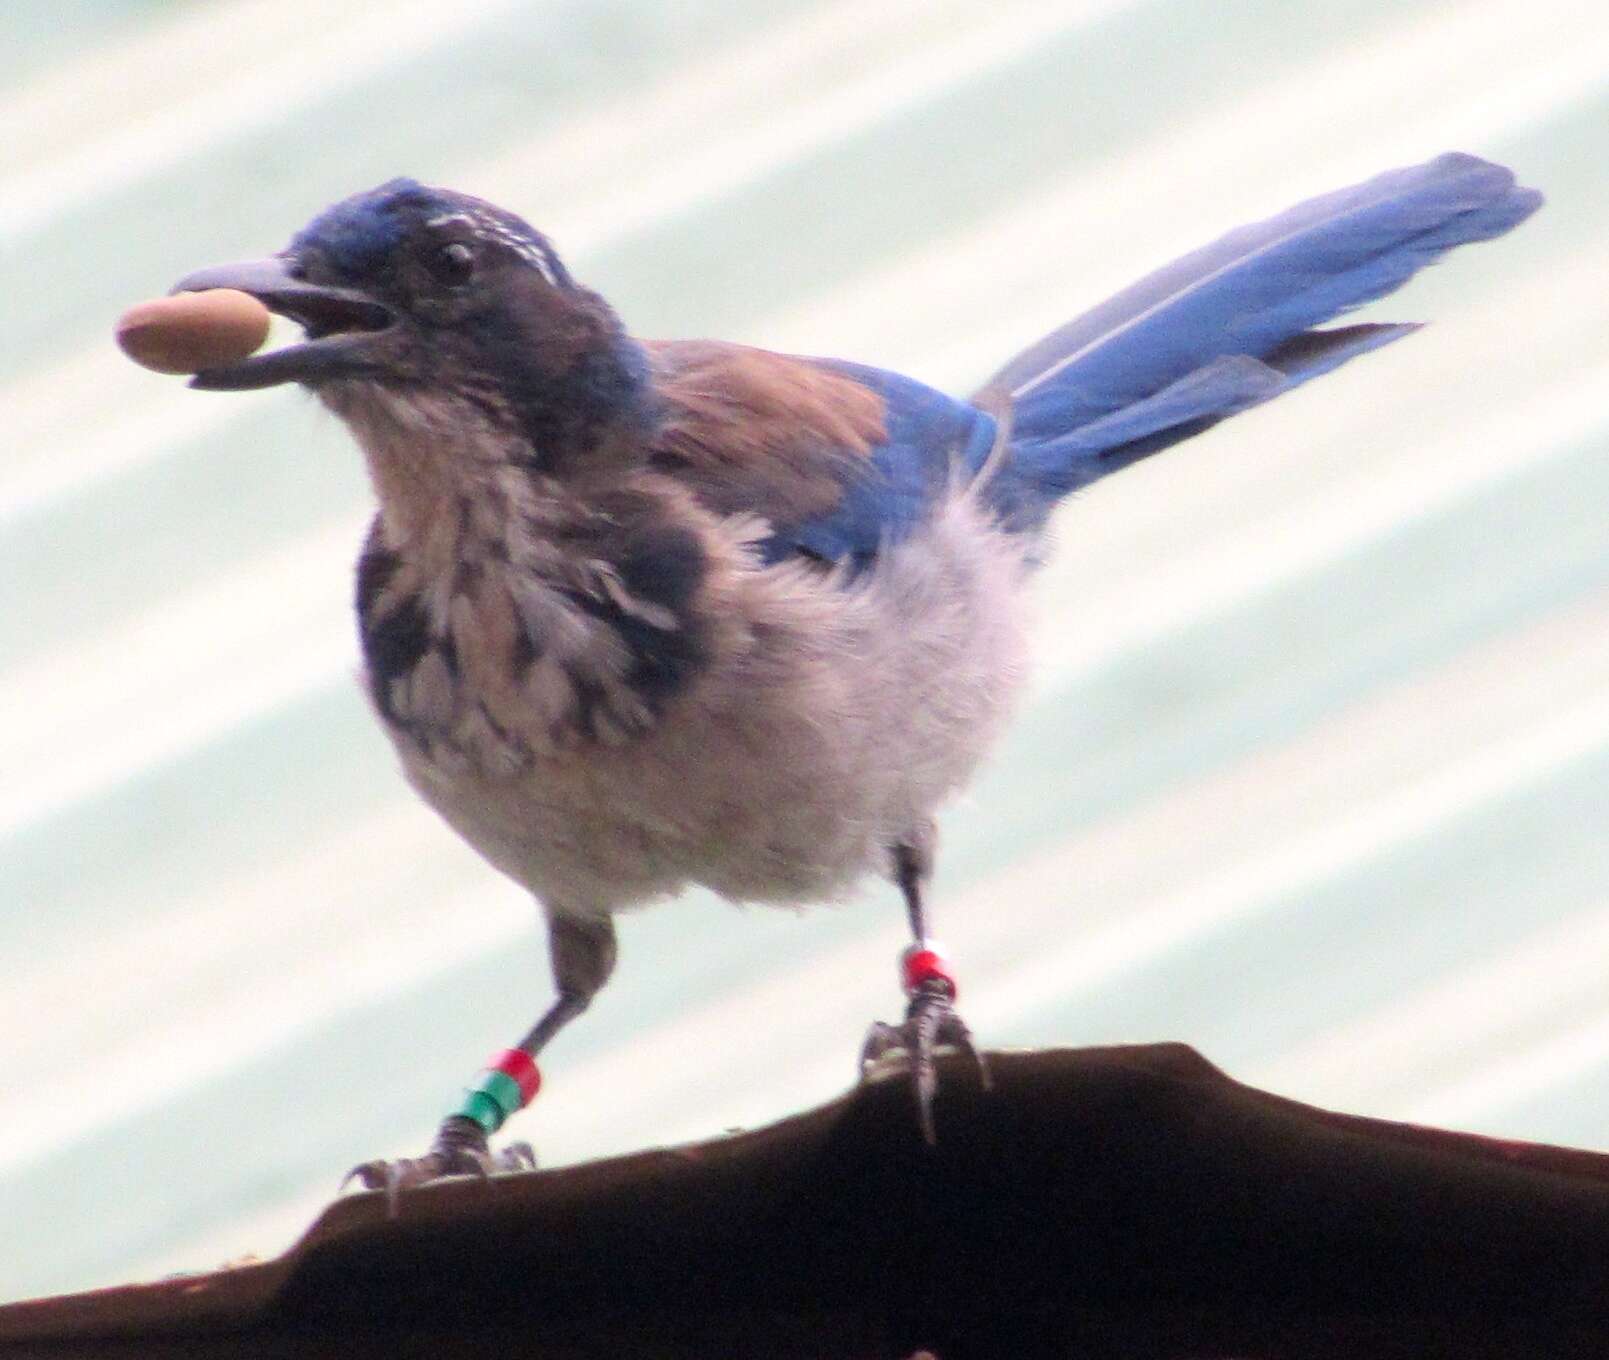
x: 643, y: 614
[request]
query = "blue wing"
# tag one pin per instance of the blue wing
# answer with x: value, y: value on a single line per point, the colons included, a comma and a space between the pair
x: 1226, y: 327
x: 928, y: 439
x: 837, y: 458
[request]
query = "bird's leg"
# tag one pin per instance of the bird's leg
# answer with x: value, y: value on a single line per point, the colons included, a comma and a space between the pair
x: 583, y: 954
x: 930, y: 1016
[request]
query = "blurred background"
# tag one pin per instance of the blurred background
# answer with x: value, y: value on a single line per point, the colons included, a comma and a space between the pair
x: 1315, y: 770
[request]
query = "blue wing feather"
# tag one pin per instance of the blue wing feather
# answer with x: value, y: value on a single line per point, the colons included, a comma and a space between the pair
x: 928, y: 438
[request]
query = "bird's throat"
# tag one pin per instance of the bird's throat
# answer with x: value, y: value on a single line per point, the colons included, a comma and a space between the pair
x: 436, y: 462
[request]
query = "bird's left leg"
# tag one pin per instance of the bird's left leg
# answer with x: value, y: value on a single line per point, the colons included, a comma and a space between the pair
x: 582, y: 949
x: 930, y: 1016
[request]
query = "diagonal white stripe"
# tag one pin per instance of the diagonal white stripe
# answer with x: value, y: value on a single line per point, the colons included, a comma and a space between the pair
x: 266, y: 58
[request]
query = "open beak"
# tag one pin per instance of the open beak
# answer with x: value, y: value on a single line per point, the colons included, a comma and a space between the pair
x: 341, y: 326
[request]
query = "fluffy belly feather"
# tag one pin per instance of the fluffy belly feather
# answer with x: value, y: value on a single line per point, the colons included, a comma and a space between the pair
x: 797, y: 761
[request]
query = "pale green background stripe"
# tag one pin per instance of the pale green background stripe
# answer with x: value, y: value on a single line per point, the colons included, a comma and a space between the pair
x: 1315, y: 770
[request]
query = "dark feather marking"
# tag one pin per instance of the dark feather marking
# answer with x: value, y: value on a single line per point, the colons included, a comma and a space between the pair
x: 659, y: 563
x: 376, y: 566
x: 526, y: 651
x: 397, y: 641
x: 393, y: 643
x: 659, y: 560
x: 589, y: 697
x: 663, y: 661
x: 392, y: 646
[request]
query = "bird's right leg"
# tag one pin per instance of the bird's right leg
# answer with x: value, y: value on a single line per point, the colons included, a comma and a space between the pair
x: 930, y: 1018
x: 583, y: 950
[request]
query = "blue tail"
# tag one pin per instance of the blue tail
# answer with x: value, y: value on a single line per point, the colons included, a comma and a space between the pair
x: 1231, y: 325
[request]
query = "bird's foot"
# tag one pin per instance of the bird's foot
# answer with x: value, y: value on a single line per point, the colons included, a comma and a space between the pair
x: 508, y: 1083
x: 930, y: 1021
x: 460, y: 1149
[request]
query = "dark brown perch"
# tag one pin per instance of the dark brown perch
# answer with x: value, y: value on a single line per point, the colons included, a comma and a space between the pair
x: 1099, y: 1203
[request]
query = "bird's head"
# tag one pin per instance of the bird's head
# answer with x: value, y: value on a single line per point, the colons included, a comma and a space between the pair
x: 418, y: 290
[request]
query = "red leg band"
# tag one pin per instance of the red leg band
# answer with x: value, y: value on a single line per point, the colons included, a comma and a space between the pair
x: 921, y: 963
x: 517, y: 1063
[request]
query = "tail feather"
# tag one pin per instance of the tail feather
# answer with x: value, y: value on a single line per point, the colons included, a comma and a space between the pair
x: 1233, y: 324
x: 1308, y: 354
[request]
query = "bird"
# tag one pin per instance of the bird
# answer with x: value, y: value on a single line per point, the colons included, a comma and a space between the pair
x: 639, y: 615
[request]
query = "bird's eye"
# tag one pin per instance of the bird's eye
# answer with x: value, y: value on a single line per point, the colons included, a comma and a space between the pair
x: 452, y: 263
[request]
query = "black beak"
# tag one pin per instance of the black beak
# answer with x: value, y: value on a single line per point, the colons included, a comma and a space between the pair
x: 341, y: 326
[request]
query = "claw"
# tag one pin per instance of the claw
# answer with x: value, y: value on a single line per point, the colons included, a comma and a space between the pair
x: 520, y: 1156
x: 930, y: 1021
x: 460, y: 1149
